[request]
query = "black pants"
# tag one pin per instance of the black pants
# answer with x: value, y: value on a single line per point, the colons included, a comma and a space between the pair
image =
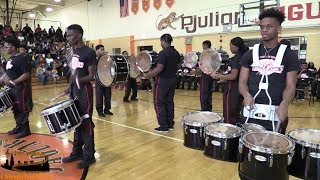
x: 145, y: 84
x: 232, y: 103
x: 163, y: 100
x: 206, y: 83
x: 84, y: 134
x: 268, y: 124
x: 102, y: 94
x: 131, y: 84
x: 194, y: 80
x: 22, y: 104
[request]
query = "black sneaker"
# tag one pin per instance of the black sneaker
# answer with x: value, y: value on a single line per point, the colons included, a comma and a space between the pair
x: 101, y: 114
x: 22, y: 134
x: 108, y: 112
x: 161, y: 129
x: 14, y: 131
x: 84, y: 164
x: 170, y: 128
x: 71, y: 158
x: 135, y: 99
x: 126, y: 100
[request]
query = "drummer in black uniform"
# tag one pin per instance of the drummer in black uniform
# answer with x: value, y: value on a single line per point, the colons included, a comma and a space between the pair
x: 80, y: 89
x: 165, y: 83
x: 282, y: 78
x: 130, y: 84
x: 18, y: 73
x: 206, y: 84
x: 103, y: 94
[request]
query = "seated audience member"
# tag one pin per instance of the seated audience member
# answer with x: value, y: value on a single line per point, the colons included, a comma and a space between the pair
x: 42, y: 74
x: 304, y: 79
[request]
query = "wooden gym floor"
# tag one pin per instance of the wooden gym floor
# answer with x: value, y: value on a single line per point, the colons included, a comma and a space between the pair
x: 128, y: 148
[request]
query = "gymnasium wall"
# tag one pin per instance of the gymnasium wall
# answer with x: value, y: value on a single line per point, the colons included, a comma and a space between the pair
x: 202, y: 20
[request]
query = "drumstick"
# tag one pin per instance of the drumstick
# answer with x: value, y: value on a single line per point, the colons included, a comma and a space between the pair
x: 55, y: 98
x: 139, y: 68
x: 278, y: 126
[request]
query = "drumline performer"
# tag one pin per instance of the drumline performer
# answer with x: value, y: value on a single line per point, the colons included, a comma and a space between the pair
x: 268, y: 76
x: 83, y: 64
x: 103, y: 94
x: 232, y: 99
x: 131, y: 84
x: 18, y: 75
x: 165, y: 83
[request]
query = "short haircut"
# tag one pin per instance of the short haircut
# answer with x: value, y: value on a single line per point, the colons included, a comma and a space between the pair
x: 124, y: 52
x: 14, y: 41
x: 273, y: 13
x: 166, y: 38
x: 76, y: 27
x: 99, y: 46
x: 207, y: 42
x: 285, y: 42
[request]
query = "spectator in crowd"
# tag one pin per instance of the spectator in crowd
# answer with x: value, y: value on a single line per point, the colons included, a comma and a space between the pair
x: 42, y: 74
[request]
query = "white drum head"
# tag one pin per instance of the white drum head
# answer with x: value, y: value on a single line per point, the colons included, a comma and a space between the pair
x: 144, y: 61
x: 306, y: 137
x: 210, y: 61
x: 190, y: 59
x: 106, y: 70
x: 134, y: 71
x: 252, y: 127
x: 201, y: 118
x: 223, y: 130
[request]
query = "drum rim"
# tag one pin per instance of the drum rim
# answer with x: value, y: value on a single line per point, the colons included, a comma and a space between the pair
x: 201, y: 57
x: 251, y: 146
x: 314, y: 155
x: 199, y: 124
x: 150, y: 57
x: 53, y: 109
x: 302, y: 142
x: 250, y: 130
x: 223, y: 135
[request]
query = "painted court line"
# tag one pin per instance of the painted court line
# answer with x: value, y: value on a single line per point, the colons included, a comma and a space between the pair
x: 125, y: 126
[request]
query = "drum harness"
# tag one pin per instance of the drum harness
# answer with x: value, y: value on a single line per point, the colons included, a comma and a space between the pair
x: 263, y: 111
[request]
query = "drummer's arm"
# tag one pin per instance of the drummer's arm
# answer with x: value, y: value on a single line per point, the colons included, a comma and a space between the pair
x: 229, y: 77
x: 25, y: 76
x: 243, y: 87
x: 89, y: 77
x: 155, y: 71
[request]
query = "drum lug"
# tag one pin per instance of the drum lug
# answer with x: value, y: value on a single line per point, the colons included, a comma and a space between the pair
x: 240, y: 147
x: 271, y: 160
x: 225, y: 145
x: 249, y: 155
x: 185, y: 130
x: 201, y: 135
x: 303, y: 153
x: 289, y: 159
x: 206, y: 141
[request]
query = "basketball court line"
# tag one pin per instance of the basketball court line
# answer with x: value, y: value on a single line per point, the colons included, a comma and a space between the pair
x: 125, y: 126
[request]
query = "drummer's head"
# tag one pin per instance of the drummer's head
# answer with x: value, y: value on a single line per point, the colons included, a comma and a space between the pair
x: 100, y: 50
x: 125, y: 53
x: 165, y: 40
x: 206, y: 45
x: 11, y: 45
x: 74, y: 34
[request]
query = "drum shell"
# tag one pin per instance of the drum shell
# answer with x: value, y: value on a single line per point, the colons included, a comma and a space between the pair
x: 194, y: 136
x: 261, y: 170
x: 122, y: 70
x: 63, y: 118
x: 227, y: 151
x: 5, y: 101
x: 312, y: 168
x: 297, y: 167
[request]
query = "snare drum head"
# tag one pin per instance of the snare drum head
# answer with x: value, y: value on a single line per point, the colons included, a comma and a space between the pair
x: 134, y: 71
x: 201, y: 118
x: 252, y: 127
x: 268, y: 142
x: 210, y: 61
x: 57, y: 107
x: 191, y: 59
x: 306, y: 137
x: 223, y: 129
x: 106, y: 70
x: 144, y: 61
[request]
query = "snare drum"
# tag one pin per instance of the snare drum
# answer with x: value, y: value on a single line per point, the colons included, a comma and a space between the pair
x: 251, y: 127
x: 307, y: 142
x: 265, y: 155
x: 112, y: 70
x: 222, y: 141
x: 61, y: 117
x: 5, y: 101
x: 194, y: 124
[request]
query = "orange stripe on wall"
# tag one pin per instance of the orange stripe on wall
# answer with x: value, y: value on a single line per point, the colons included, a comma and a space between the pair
x: 131, y: 45
x: 188, y: 48
x: 99, y: 41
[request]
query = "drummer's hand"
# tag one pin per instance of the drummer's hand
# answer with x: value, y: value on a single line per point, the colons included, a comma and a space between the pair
x: 282, y: 111
x: 6, y: 81
x: 67, y: 90
x: 214, y: 75
x: 146, y: 75
x: 248, y: 102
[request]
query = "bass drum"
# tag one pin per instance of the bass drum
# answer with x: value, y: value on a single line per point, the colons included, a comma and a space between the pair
x: 112, y: 70
x: 134, y: 71
x: 190, y: 59
x: 210, y: 61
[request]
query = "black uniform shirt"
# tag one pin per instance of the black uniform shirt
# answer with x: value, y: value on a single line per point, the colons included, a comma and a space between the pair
x: 16, y: 66
x: 169, y: 57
